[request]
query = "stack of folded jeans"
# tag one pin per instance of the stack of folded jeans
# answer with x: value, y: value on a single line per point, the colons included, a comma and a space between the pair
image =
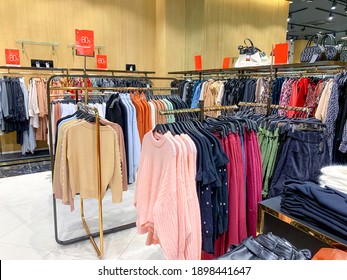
x: 325, y: 208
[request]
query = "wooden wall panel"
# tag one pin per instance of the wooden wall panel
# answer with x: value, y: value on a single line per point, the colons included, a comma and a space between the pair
x: 299, y: 46
x: 215, y: 28
x: 125, y: 28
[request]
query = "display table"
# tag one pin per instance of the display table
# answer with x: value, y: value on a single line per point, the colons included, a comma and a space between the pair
x: 296, y: 231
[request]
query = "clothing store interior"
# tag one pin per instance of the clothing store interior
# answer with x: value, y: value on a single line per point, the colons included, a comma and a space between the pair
x: 173, y: 130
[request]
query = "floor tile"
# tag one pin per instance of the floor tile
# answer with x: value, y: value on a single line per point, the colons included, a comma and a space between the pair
x: 13, y: 252
x: 58, y: 256
x: 27, y: 223
x: 36, y: 233
x: 137, y: 250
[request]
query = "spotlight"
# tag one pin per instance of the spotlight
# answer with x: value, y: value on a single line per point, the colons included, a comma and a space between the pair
x: 331, y: 16
x: 303, y: 28
x: 333, y: 7
x: 289, y: 17
x: 346, y: 9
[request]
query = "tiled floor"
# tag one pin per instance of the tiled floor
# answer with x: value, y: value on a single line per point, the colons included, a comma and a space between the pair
x: 27, y: 227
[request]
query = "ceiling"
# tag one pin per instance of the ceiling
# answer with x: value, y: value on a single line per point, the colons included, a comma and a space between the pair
x: 310, y: 17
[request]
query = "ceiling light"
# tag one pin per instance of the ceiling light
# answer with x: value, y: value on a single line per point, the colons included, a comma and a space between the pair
x: 289, y: 17
x: 290, y: 2
x: 331, y: 16
x: 309, y: 1
x: 333, y: 7
x: 346, y: 9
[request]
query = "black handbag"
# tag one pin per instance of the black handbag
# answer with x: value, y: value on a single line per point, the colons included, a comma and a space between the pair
x: 332, y: 51
x: 265, y: 247
x: 310, y: 51
x: 248, y: 50
x: 343, y: 52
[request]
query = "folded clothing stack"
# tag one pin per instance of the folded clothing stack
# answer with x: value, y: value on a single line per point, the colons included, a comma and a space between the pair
x: 325, y: 208
x: 334, y: 176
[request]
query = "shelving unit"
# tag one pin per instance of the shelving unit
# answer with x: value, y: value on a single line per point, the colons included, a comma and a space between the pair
x: 304, y: 235
x: 320, y: 65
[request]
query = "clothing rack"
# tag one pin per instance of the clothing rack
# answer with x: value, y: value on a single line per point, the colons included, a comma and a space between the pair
x: 85, y: 91
x: 319, y: 65
x: 117, y: 88
x: 199, y: 110
x: 100, y: 251
x: 272, y: 106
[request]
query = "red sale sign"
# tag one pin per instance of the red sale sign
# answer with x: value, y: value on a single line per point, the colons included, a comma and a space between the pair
x: 198, y: 62
x: 84, y: 42
x: 12, y: 57
x: 101, y: 61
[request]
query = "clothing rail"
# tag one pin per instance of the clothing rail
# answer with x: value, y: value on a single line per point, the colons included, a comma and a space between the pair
x: 116, y: 88
x: 199, y: 110
x: 277, y: 67
x: 272, y: 106
x: 78, y: 92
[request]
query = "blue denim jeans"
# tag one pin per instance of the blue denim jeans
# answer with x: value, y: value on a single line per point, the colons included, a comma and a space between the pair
x: 302, y: 156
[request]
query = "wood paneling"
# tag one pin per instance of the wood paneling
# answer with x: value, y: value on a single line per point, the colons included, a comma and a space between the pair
x: 125, y: 28
x: 299, y: 46
x: 215, y: 28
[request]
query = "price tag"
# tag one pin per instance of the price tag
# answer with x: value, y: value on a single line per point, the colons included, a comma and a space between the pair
x: 198, y: 62
x: 12, y: 57
x: 101, y: 61
x: 226, y: 63
x: 84, y: 42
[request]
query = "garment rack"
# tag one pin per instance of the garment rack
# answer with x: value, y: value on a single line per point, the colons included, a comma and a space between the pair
x: 199, y: 110
x: 272, y: 106
x: 100, y: 249
x: 85, y: 91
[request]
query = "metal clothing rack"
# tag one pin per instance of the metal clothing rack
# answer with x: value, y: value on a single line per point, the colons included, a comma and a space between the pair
x: 99, y: 250
x: 272, y: 106
x: 272, y: 70
x: 86, y: 93
x: 199, y: 110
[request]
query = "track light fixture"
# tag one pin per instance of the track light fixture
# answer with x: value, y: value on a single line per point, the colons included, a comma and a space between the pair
x: 289, y: 17
x: 334, y: 5
x: 331, y: 16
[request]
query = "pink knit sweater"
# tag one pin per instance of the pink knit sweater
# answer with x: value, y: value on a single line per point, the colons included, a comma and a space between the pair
x: 166, y: 199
